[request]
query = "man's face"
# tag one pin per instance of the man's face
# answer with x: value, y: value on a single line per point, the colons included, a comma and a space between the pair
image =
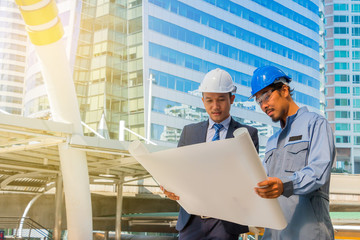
x: 273, y: 102
x: 217, y: 105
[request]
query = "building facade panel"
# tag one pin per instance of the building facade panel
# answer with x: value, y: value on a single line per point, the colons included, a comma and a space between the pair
x: 342, y: 79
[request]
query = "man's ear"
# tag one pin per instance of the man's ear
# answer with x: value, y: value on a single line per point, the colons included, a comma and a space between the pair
x: 285, y: 91
x: 232, y: 99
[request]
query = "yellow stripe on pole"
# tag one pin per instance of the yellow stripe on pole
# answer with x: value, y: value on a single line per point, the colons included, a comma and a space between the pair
x: 26, y: 2
x: 46, y: 36
x: 40, y: 16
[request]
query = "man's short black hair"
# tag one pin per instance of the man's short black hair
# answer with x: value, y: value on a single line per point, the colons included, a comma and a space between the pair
x: 279, y: 85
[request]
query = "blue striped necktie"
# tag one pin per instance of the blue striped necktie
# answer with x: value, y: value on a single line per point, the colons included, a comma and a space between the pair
x: 217, y: 127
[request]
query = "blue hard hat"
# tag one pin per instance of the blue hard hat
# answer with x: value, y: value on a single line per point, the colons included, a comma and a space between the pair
x: 265, y: 76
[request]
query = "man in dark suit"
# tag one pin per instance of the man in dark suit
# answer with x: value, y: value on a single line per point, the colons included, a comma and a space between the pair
x: 217, y: 89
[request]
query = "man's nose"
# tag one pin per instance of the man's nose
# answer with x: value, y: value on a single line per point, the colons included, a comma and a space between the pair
x: 264, y: 106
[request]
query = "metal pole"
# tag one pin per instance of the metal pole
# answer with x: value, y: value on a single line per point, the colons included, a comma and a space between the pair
x: 148, y: 134
x: 58, y: 207
x: 121, y: 130
x: 119, y: 202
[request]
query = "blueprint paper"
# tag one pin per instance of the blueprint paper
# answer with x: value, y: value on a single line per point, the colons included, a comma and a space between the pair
x: 215, y: 179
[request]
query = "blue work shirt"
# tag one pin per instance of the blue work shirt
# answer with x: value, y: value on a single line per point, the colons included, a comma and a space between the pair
x: 301, y: 154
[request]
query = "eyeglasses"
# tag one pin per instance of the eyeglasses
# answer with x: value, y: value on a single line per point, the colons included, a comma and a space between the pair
x: 264, y: 97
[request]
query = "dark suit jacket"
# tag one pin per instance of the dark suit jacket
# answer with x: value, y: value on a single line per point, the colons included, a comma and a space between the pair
x: 196, y: 133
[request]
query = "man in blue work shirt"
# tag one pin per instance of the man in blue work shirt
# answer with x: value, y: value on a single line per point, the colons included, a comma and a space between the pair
x: 298, y: 160
x: 217, y: 89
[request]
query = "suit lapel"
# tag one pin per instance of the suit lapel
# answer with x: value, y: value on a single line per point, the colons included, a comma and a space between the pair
x: 201, y: 136
x: 232, y: 127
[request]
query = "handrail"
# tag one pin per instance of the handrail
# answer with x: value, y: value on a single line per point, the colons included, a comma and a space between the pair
x: 30, y: 223
x: 35, y: 226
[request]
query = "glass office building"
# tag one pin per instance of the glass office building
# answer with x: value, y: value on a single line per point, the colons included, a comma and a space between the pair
x: 183, y: 40
x: 142, y: 61
x: 13, y: 42
x: 343, y: 80
x: 108, y: 70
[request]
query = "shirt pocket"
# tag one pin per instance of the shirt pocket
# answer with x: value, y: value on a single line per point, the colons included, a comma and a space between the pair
x: 267, y: 162
x: 296, y: 156
x: 267, y: 157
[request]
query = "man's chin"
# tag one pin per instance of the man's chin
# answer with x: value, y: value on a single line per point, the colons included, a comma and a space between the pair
x: 216, y: 119
x: 275, y: 119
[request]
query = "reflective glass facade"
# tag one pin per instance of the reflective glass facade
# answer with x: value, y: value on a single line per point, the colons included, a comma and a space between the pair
x: 108, y: 67
x: 186, y: 39
x: 13, y: 41
x: 118, y: 48
x: 342, y: 74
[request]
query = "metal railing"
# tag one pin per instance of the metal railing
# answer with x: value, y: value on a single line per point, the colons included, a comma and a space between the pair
x: 26, y: 223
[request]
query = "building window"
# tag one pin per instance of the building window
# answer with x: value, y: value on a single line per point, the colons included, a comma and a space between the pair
x: 343, y: 114
x: 174, y: 82
x: 342, y: 126
x: 306, y: 99
x: 356, y: 140
x: 342, y: 102
x: 240, y: 11
x: 342, y: 42
x: 10, y: 99
x: 356, y: 31
x: 356, y: 55
x: 201, y: 41
x: 355, y: 7
x: 342, y: 90
x: 165, y: 133
x: 341, y: 18
x: 178, y: 110
x: 188, y: 61
x: 356, y: 43
x: 356, y: 127
x: 341, y: 7
x: 356, y: 103
x: 356, y: 67
x: 341, y: 78
x: 341, y: 54
x: 341, y: 65
x: 356, y: 91
x: 355, y: 19
x: 356, y: 115
x: 342, y: 139
x: 356, y: 79
x: 341, y: 30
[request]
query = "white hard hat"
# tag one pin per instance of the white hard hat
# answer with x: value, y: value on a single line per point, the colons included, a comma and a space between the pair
x: 217, y: 81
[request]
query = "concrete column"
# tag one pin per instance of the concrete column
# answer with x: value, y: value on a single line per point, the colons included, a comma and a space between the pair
x: 119, y: 202
x: 58, y: 207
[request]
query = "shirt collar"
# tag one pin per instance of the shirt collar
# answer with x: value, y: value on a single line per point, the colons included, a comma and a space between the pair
x: 291, y: 118
x: 225, y: 123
